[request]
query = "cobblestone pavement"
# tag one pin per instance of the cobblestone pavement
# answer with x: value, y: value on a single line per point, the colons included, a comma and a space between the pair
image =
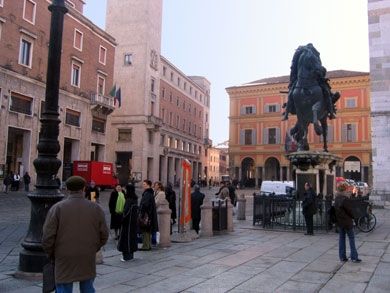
x: 246, y: 260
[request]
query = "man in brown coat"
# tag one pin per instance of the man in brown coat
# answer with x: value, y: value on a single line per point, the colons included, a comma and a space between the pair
x: 74, y: 230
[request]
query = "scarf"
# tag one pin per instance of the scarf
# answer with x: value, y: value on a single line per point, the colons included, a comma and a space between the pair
x: 120, y: 203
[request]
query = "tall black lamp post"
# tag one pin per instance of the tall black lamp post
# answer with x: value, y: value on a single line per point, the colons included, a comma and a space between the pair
x: 32, y: 258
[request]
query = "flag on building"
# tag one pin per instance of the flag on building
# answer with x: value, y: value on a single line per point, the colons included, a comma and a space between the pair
x: 118, y: 97
x: 116, y: 93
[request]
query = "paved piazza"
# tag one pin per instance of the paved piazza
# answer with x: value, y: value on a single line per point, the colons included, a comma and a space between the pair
x: 246, y: 260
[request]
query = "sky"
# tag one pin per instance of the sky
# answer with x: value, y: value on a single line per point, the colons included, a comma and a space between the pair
x: 232, y: 42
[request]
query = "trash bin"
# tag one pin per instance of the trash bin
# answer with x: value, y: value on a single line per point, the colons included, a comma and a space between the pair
x: 219, y: 208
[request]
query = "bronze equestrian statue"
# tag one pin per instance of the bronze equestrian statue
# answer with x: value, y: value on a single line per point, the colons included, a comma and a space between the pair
x: 309, y: 96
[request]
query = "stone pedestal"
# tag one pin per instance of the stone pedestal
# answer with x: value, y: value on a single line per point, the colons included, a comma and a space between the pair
x: 241, y: 205
x: 229, y: 216
x: 206, y: 219
x: 164, y: 223
x: 317, y: 168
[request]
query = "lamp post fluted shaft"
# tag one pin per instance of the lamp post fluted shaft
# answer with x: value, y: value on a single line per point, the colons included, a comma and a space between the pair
x: 32, y: 258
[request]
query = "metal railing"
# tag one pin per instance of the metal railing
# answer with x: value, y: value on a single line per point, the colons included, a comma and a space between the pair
x: 102, y: 100
x: 275, y: 212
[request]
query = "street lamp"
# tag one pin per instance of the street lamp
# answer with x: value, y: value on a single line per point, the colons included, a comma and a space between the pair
x: 32, y: 258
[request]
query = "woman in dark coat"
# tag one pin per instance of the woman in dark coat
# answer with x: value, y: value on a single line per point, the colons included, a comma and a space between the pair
x: 116, y: 218
x: 171, y: 198
x: 148, y: 207
x: 309, y: 208
x: 128, y: 237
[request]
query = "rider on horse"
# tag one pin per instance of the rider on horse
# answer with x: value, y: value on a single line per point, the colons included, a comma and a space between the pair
x: 323, y: 82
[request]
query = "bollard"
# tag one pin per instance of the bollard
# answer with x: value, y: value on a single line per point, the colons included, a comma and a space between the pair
x: 241, y: 204
x: 229, y: 216
x: 206, y: 219
x: 164, y: 223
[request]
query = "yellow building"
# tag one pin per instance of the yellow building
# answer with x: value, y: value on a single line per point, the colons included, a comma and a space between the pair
x: 257, y: 136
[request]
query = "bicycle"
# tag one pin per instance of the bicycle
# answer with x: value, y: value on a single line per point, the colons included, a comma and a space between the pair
x: 367, y: 222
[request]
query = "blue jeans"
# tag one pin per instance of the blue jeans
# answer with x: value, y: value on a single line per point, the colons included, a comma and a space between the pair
x: 342, y: 248
x: 85, y: 287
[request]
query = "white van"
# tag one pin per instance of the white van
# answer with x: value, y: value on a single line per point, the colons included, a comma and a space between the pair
x: 279, y: 188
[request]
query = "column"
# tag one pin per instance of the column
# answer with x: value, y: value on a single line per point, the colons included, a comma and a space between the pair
x: 163, y: 168
x: 256, y: 177
x: 239, y: 174
x: 263, y: 174
x: 170, y: 170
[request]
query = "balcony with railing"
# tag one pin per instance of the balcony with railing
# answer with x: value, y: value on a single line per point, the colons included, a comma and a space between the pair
x: 102, y: 104
x: 208, y: 142
x: 153, y: 122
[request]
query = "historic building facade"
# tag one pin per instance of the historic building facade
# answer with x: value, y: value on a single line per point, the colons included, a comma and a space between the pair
x: 379, y: 37
x: 86, y: 78
x: 257, y: 138
x: 164, y: 113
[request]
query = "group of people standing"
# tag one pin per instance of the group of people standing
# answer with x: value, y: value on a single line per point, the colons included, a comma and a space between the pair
x: 343, y: 216
x: 12, y: 182
x: 130, y: 220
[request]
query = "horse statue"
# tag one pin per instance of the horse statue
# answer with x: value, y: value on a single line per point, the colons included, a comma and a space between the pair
x: 309, y: 96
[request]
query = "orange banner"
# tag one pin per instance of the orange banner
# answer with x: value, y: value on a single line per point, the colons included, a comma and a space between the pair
x: 185, y: 204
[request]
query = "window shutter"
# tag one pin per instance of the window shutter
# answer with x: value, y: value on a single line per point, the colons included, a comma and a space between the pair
x: 354, y: 134
x: 266, y: 109
x: 344, y: 133
x: 265, y: 135
x: 242, y: 136
x: 254, y: 109
x: 254, y: 136
x: 242, y: 110
x: 277, y: 135
x: 277, y: 108
x: 330, y: 133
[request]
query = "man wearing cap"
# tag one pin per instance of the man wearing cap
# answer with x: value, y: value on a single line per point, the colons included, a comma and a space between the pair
x: 74, y: 230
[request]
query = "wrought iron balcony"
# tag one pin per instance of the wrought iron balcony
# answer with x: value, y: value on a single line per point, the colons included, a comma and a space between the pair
x: 102, y: 104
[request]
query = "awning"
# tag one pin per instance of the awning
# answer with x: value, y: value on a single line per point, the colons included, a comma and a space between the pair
x: 352, y: 166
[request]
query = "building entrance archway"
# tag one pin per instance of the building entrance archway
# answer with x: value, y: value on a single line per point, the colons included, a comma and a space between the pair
x: 352, y: 168
x: 272, y: 169
x: 248, y: 172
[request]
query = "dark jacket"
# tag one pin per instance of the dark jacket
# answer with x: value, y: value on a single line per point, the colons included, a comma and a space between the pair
x: 74, y: 230
x: 116, y: 219
x: 93, y: 189
x: 343, y: 207
x: 148, y: 206
x: 197, y: 198
x: 308, y: 203
x: 170, y: 195
x: 128, y: 237
x: 26, y: 179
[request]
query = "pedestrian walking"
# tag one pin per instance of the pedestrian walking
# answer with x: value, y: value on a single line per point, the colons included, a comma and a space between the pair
x: 197, y: 198
x: 116, y: 205
x: 148, y: 215
x: 223, y: 191
x: 344, y: 217
x: 7, y: 182
x: 16, y: 182
x: 309, y: 208
x: 128, y: 243
x: 74, y: 230
x: 26, y: 181
x: 171, y: 198
x: 92, y: 192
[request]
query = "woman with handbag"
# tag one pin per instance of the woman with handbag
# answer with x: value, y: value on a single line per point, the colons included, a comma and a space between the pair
x: 116, y: 205
x: 147, y: 220
x: 127, y: 243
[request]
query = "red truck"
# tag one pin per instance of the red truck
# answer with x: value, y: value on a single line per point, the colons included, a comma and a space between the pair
x: 101, y: 173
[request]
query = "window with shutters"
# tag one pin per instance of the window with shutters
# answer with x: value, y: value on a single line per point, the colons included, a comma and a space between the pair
x: 329, y: 136
x: 272, y: 135
x: 76, y: 72
x: 350, y: 132
x: 78, y: 40
x: 248, y: 136
x: 72, y: 118
x: 21, y: 104
x: 162, y: 139
x: 102, y: 55
x: 29, y: 10
x: 101, y: 81
x: 125, y: 134
x: 25, y: 52
x: 98, y: 125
